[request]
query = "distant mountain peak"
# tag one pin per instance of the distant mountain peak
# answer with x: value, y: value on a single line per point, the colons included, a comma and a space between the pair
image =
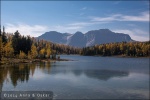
x: 90, y: 38
x: 78, y: 32
x: 104, y: 29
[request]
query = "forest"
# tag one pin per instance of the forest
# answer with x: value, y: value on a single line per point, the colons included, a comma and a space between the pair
x: 132, y: 49
x: 26, y: 47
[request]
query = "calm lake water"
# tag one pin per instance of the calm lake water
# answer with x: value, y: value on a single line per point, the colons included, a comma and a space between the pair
x: 86, y: 77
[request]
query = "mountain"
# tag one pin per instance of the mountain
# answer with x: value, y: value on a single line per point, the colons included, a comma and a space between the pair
x: 90, y: 38
x: 105, y: 36
x: 55, y: 37
x: 78, y: 40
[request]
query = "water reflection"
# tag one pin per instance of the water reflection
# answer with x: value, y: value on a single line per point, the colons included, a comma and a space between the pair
x: 105, y: 74
x: 102, y: 74
x: 21, y: 72
x: 3, y: 75
x: 97, y: 79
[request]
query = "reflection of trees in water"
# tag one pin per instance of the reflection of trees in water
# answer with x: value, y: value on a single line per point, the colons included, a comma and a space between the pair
x: 3, y: 76
x: 20, y: 72
x: 45, y: 67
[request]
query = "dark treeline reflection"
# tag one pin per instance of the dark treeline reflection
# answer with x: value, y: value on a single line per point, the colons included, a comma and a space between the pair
x: 20, y: 72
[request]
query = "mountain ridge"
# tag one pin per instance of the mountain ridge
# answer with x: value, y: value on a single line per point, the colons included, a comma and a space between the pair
x: 90, y: 38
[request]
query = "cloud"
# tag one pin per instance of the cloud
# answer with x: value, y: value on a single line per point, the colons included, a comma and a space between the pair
x: 136, y: 34
x: 65, y: 28
x: 84, y: 8
x: 143, y: 17
x: 37, y: 30
x: 80, y: 24
x: 25, y: 29
x: 73, y: 27
x: 84, y: 24
x: 110, y: 18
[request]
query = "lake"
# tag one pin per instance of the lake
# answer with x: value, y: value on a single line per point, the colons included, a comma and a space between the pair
x: 87, y: 77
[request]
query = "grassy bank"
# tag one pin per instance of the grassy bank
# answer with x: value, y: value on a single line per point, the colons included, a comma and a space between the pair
x: 15, y: 60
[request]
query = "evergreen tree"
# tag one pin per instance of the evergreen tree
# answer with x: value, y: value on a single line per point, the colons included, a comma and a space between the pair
x: 21, y: 43
x: 16, y: 42
x: 4, y: 37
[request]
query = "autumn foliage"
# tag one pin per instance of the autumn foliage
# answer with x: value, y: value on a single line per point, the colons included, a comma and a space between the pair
x: 25, y: 47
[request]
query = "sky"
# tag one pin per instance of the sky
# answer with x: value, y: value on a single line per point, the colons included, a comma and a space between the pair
x: 34, y: 18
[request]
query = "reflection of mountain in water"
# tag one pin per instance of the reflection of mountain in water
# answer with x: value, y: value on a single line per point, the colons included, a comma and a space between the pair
x: 105, y: 74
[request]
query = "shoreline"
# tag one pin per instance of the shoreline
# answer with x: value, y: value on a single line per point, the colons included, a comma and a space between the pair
x: 122, y: 56
x: 118, y: 56
x: 16, y: 61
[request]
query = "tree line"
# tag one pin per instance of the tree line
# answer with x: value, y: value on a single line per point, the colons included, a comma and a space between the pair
x: 25, y: 47
x: 135, y: 49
